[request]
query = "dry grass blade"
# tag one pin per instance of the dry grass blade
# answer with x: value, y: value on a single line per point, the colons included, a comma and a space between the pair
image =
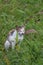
x: 30, y: 31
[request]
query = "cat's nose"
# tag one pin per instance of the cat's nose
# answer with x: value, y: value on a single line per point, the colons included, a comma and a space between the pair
x: 22, y: 33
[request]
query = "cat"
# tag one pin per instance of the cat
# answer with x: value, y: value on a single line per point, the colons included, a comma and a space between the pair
x: 13, y: 34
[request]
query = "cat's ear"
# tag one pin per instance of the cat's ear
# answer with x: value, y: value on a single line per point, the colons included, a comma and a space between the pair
x: 23, y: 26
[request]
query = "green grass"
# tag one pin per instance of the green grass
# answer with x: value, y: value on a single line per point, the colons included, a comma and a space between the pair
x: 16, y: 12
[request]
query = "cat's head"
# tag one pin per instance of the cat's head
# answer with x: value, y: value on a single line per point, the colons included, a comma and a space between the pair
x: 21, y: 30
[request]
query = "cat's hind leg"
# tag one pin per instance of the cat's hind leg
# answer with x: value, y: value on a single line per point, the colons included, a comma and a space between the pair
x: 7, y: 45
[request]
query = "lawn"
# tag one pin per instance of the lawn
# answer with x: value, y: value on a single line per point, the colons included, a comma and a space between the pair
x: 18, y: 12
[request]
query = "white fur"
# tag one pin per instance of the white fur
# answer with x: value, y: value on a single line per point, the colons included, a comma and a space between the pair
x: 12, y: 38
x: 20, y: 38
x: 7, y: 44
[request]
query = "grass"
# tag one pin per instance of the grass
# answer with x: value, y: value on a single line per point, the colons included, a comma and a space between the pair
x: 16, y: 12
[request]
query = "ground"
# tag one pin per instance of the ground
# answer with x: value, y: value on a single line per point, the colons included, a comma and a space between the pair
x: 17, y: 12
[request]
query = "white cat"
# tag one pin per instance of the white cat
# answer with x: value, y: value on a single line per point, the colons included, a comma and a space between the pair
x: 11, y: 39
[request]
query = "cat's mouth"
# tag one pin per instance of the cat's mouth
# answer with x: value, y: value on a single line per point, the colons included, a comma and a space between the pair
x: 21, y: 34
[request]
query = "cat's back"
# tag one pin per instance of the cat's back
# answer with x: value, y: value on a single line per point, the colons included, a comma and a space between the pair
x: 12, y: 36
